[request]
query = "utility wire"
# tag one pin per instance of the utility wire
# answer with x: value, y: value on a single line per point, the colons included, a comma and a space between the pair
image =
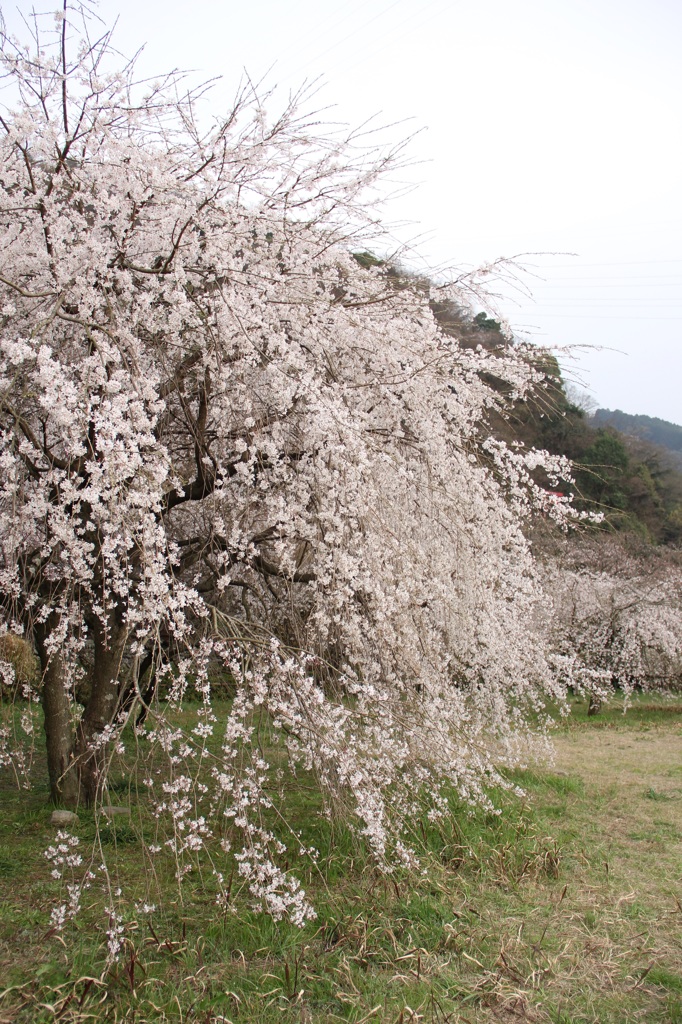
x: 306, y: 43
x: 627, y: 263
x: 420, y: 14
x: 601, y: 316
x: 344, y: 39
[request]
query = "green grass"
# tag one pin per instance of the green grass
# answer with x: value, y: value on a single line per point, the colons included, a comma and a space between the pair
x: 561, y: 908
x: 641, y: 710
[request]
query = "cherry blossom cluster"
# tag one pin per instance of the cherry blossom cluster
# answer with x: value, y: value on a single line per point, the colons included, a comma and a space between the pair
x: 65, y: 859
x: 616, y: 619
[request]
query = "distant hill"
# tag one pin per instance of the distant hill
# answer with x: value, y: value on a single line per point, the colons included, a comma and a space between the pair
x: 647, y: 428
x: 627, y: 467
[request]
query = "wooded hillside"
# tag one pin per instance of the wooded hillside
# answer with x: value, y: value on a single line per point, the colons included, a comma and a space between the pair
x: 628, y: 467
x: 647, y: 428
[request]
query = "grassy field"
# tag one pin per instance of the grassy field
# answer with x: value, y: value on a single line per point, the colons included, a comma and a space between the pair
x: 565, y: 908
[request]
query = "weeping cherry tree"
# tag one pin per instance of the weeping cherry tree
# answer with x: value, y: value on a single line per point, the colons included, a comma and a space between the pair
x: 233, y: 447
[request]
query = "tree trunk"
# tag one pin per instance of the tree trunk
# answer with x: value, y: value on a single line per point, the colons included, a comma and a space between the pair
x: 594, y: 707
x: 92, y: 744
x: 59, y: 734
x: 76, y: 760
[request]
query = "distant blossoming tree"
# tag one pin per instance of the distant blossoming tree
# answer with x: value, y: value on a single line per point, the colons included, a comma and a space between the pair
x: 616, y: 620
x: 230, y: 445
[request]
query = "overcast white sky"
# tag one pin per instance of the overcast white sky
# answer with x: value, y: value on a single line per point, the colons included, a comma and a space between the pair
x: 551, y: 126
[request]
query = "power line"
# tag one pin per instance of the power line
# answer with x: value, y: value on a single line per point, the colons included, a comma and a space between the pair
x: 625, y: 263
x: 620, y: 277
x: 579, y: 286
x: 359, y: 28
x: 600, y: 316
x: 420, y: 14
x: 307, y: 42
x: 606, y: 304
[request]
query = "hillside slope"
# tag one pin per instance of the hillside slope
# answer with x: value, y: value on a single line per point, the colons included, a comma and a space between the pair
x: 628, y: 467
x: 647, y: 428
